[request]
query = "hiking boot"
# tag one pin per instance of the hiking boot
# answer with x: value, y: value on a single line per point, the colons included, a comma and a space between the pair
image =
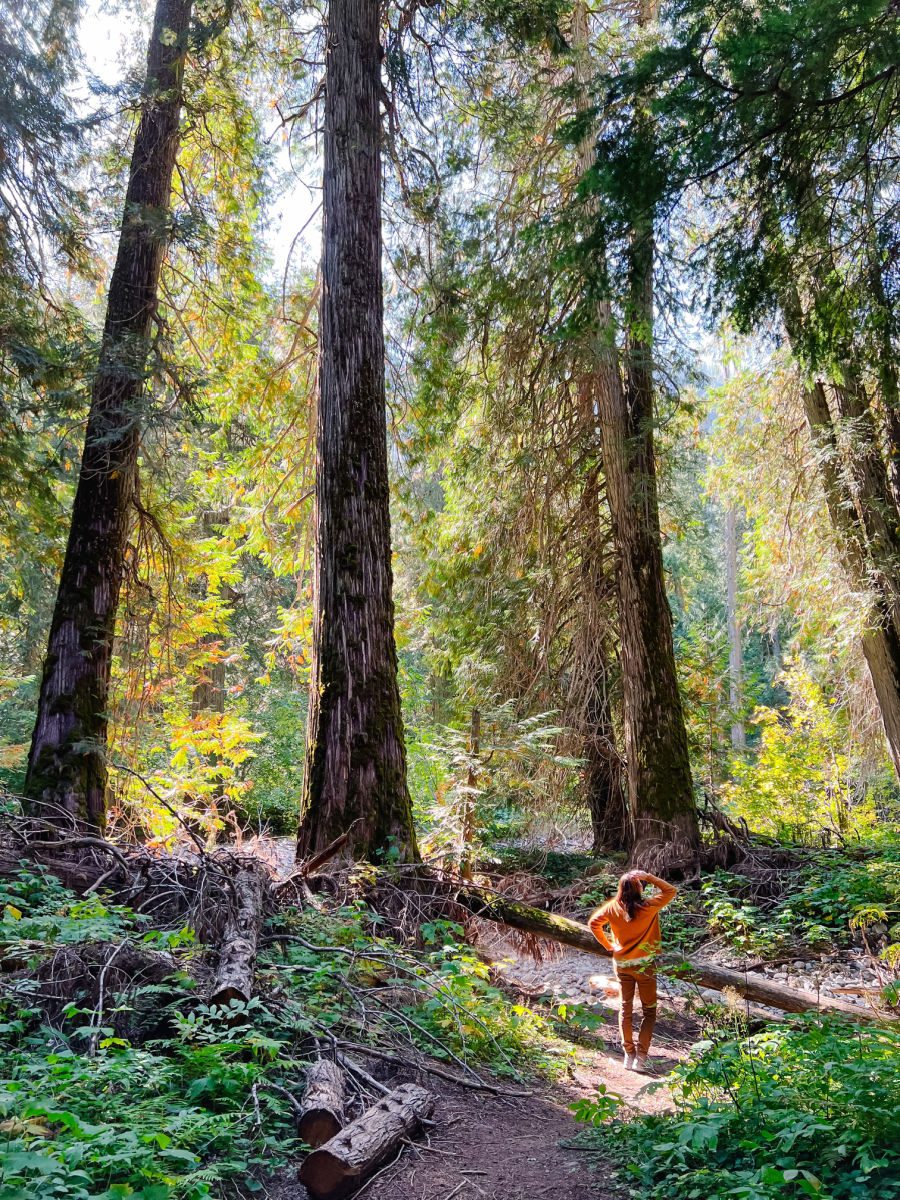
x: 629, y: 1061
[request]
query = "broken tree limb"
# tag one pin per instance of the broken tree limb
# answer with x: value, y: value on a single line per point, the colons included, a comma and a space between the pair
x: 492, y: 907
x: 297, y: 878
x: 321, y: 1114
x: 240, y: 937
x: 338, y: 1168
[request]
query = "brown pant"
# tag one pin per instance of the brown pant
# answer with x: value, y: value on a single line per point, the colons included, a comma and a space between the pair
x: 645, y: 982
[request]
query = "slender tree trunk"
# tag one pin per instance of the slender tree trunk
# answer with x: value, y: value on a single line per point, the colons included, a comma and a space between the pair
x: 603, y: 769
x: 881, y: 641
x: 355, y: 758
x: 735, y: 650
x: 67, y: 768
x: 466, y: 858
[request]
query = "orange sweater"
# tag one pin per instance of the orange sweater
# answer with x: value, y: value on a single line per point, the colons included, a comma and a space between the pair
x: 638, y: 938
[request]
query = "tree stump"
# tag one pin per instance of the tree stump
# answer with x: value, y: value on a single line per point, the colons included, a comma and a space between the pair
x: 338, y: 1168
x: 322, y: 1110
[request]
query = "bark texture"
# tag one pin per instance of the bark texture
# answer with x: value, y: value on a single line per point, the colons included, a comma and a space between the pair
x: 321, y: 1115
x: 355, y: 758
x: 660, y: 790
x: 240, y: 938
x: 337, y: 1169
x: 662, y: 816
x: 521, y: 916
x: 881, y: 641
x: 67, y: 770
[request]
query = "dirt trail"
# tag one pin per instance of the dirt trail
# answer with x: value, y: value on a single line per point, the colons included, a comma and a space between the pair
x: 485, y: 1147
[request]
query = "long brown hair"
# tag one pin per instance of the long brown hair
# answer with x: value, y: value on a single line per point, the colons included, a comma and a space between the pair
x: 628, y: 896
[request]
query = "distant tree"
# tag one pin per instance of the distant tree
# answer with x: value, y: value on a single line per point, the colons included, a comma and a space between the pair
x: 781, y: 119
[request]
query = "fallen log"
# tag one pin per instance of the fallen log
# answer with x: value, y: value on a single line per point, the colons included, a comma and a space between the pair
x: 338, y: 1168
x: 321, y: 1114
x: 492, y: 907
x: 240, y: 937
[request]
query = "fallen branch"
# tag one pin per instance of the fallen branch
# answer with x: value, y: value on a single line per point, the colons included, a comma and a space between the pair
x: 431, y: 1068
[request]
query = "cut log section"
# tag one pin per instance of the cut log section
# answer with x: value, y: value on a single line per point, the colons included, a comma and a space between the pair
x: 240, y: 937
x: 515, y: 914
x: 338, y: 1168
x: 321, y: 1115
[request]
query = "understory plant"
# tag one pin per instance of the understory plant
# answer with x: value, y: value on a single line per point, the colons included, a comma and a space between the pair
x: 807, y: 1109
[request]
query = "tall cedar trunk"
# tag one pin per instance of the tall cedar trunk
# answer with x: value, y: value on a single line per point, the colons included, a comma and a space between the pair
x: 355, y: 757
x: 603, y: 768
x: 662, y: 810
x: 67, y: 764
x: 591, y: 672
x: 735, y: 652
x: 660, y: 790
x: 881, y: 641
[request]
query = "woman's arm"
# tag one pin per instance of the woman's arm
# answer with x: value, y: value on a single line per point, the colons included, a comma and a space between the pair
x: 595, y: 924
x: 667, y: 892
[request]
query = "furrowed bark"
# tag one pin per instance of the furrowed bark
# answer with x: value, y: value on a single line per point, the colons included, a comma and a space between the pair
x: 515, y: 914
x: 355, y: 756
x: 240, y: 937
x: 664, y: 832
x: 604, y: 766
x: 66, y: 777
x: 338, y: 1168
x: 321, y: 1115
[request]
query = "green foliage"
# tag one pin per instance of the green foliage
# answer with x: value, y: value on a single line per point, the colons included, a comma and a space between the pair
x: 807, y: 1109
x: 742, y: 925
x: 840, y: 892
x: 167, y: 1123
x: 800, y: 782
x: 600, y: 1109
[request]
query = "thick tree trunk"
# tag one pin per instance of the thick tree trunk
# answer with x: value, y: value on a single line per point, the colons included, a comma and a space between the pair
x: 735, y: 650
x: 355, y: 759
x: 337, y: 1169
x: 517, y: 915
x: 660, y: 791
x: 321, y: 1115
x: 610, y: 819
x: 603, y: 767
x: 881, y: 641
x: 240, y: 937
x: 67, y: 770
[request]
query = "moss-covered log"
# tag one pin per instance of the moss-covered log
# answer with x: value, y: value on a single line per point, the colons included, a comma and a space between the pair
x: 516, y: 915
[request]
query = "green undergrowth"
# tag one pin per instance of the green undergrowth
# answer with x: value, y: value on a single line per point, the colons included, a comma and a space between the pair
x: 97, y: 1104
x: 809, y: 1109
x: 829, y: 899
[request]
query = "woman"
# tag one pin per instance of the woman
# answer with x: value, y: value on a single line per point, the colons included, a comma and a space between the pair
x: 633, y: 922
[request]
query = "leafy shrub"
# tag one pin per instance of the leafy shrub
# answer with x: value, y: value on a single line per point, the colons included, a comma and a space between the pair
x: 807, y: 1109
x: 802, y: 780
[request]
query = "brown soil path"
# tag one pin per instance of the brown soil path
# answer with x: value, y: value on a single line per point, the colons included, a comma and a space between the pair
x: 486, y: 1147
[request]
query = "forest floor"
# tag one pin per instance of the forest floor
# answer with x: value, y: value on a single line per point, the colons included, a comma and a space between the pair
x: 487, y: 1147
x: 518, y: 1147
